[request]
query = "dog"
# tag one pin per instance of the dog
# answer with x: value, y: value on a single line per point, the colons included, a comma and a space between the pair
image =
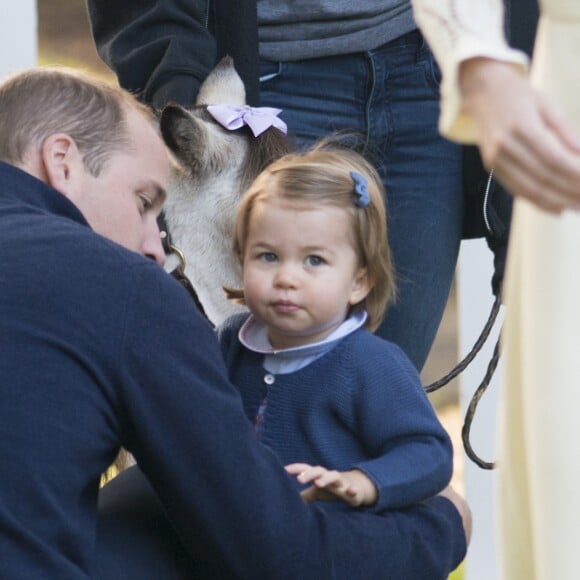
x: 214, y: 166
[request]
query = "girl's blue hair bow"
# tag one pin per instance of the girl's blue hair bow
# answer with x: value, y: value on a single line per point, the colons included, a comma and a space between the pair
x: 360, y: 189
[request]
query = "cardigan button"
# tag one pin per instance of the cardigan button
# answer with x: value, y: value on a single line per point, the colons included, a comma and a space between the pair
x: 269, y: 379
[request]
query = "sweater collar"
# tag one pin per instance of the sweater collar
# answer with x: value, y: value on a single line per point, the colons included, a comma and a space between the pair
x: 254, y: 336
x: 23, y: 188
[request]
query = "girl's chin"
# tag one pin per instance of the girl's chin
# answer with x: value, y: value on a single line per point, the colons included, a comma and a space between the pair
x: 292, y: 338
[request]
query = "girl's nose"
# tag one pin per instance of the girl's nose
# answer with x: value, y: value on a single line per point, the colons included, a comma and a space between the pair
x: 286, y: 276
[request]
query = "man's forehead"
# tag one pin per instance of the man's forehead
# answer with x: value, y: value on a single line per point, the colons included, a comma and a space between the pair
x: 148, y: 150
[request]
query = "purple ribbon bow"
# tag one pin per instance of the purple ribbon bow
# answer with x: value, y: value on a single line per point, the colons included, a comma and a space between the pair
x: 258, y: 119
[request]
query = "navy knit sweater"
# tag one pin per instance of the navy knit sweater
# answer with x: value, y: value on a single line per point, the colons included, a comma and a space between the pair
x: 361, y: 405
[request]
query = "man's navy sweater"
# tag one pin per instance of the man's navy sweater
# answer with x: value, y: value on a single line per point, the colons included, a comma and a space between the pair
x: 99, y: 348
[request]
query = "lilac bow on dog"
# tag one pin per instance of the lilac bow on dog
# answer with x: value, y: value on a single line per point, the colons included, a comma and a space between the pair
x: 258, y: 119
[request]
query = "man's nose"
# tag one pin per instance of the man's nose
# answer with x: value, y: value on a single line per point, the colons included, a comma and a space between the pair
x: 152, y: 246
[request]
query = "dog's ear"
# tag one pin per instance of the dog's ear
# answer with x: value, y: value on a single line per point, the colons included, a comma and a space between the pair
x: 185, y: 135
x: 223, y: 85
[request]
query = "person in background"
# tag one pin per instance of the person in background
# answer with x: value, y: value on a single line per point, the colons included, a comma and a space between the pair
x: 344, y: 410
x: 330, y: 65
x: 529, y: 133
x: 99, y: 348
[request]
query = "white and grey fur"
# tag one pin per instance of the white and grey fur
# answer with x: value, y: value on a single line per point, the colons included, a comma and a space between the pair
x: 214, y: 167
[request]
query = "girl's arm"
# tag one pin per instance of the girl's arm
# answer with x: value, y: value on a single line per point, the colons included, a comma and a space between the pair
x: 410, y: 457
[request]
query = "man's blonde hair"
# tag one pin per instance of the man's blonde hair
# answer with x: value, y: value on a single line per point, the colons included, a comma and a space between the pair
x: 322, y: 176
x: 43, y: 101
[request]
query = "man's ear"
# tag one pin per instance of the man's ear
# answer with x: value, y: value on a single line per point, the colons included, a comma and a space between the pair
x: 361, y: 286
x: 62, y: 164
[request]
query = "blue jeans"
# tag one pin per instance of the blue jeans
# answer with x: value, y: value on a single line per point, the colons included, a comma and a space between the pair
x: 391, y: 96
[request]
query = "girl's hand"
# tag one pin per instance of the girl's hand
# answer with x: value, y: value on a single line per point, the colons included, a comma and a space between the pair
x: 462, y: 507
x: 353, y: 487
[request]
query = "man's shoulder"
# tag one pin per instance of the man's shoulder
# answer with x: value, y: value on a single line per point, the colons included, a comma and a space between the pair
x: 71, y: 257
x: 90, y: 251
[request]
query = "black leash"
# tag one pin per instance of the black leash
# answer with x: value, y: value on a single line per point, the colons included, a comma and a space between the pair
x: 179, y: 272
x: 479, y: 392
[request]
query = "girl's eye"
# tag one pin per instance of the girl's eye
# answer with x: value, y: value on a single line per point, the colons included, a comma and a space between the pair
x: 315, y: 261
x: 267, y: 257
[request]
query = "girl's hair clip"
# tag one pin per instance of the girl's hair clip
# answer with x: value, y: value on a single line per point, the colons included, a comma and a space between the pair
x: 360, y: 189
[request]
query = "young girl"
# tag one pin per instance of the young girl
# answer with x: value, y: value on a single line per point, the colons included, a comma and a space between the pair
x: 342, y: 408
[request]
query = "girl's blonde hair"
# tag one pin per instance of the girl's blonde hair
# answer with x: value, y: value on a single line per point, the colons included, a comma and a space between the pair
x: 322, y: 176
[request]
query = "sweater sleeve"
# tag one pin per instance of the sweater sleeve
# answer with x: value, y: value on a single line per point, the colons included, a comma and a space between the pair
x: 228, y: 497
x: 412, y: 452
x: 458, y: 30
x: 162, y: 51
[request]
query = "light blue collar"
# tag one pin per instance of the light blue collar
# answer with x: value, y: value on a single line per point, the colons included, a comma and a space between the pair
x: 254, y: 336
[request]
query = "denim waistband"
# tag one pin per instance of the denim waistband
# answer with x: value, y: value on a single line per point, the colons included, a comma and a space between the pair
x: 413, y: 38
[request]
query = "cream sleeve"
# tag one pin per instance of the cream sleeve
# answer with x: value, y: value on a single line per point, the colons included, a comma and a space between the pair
x: 458, y: 30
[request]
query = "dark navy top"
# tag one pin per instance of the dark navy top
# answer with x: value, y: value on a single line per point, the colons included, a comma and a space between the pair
x: 361, y: 405
x: 99, y: 348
